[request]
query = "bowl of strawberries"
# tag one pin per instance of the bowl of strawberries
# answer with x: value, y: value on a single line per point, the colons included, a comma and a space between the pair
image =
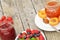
x: 31, y: 35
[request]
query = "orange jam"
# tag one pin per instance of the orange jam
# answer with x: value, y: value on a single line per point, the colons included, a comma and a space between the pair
x: 52, y: 9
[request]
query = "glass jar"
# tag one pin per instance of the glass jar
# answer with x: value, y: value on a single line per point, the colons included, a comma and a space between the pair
x: 52, y: 8
x: 7, y: 32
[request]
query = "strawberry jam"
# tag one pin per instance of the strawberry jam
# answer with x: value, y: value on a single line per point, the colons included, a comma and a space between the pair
x: 7, y: 32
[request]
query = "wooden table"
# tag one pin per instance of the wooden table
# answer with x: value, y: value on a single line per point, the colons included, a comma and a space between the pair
x: 23, y: 13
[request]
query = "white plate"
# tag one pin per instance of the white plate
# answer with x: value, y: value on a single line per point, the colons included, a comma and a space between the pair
x: 40, y: 31
x: 39, y: 22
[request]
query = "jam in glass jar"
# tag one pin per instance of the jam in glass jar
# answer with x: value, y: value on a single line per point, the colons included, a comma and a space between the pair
x: 52, y: 8
x: 7, y: 31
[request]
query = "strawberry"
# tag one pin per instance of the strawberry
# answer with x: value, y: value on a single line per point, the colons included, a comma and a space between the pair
x: 28, y: 36
x: 36, y: 31
x: 28, y: 30
x: 32, y: 32
x: 3, y: 18
x: 20, y: 36
x: 41, y: 37
x: 10, y: 19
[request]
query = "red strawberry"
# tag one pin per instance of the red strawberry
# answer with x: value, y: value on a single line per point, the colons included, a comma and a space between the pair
x: 28, y: 30
x: 20, y: 36
x: 32, y: 31
x: 36, y: 31
x: 41, y: 37
x: 3, y: 18
x: 28, y: 36
x: 10, y: 19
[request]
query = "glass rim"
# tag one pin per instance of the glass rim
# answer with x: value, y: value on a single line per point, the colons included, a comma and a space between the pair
x: 52, y: 5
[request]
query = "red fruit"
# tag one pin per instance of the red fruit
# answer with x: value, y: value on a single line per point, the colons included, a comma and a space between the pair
x: 28, y: 30
x: 36, y: 31
x: 41, y: 37
x: 10, y: 19
x: 24, y: 33
x: 20, y: 36
x: 3, y: 18
x: 28, y: 36
x: 32, y: 32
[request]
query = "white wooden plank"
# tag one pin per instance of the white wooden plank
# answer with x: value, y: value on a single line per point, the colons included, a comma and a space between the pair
x: 19, y: 5
x: 1, y: 13
x: 52, y: 35
x: 27, y: 13
x: 30, y: 13
x: 38, y: 4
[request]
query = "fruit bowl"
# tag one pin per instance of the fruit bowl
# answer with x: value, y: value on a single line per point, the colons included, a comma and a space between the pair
x: 42, y: 36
